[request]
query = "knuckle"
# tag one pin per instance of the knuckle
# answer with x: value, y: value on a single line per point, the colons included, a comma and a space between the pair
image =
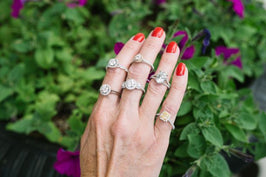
x: 130, y: 46
x: 156, y: 89
x: 115, y: 71
x: 171, y: 109
x: 178, y: 87
x: 97, y: 121
x: 136, y: 71
x: 121, y: 130
x: 151, y: 45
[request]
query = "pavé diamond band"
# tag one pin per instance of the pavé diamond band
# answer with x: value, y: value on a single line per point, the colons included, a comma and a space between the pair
x: 139, y: 58
x: 166, y: 117
x: 161, y: 78
x: 106, y: 90
x: 132, y: 84
x: 113, y: 63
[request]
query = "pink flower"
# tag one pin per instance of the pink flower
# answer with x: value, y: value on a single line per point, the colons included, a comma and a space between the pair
x: 238, y: 7
x: 75, y: 3
x: 16, y: 7
x: 67, y: 163
x: 227, y: 53
x: 160, y: 2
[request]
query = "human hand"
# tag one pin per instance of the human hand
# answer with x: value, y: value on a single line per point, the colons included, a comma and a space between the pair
x: 121, y: 137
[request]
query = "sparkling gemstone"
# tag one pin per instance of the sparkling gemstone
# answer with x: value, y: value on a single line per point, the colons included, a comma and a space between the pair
x: 113, y: 62
x: 131, y: 84
x: 161, y: 77
x: 138, y: 58
x: 165, y: 116
x: 105, y: 89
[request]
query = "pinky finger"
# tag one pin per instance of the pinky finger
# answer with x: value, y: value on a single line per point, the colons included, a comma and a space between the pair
x: 172, y: 102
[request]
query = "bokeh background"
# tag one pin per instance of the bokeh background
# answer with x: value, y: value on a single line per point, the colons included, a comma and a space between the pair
x: 53, y: 56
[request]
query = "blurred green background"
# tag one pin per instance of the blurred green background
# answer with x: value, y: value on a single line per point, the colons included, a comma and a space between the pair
x: 53, y: 57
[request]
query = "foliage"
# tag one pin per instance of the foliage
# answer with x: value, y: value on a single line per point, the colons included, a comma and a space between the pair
x: 52, y: 61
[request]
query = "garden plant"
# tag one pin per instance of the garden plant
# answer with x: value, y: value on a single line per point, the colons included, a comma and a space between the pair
x: 53, y: 55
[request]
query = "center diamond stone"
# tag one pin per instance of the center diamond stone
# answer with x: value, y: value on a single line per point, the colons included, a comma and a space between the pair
x: 165, y: 116
x: 131, y: 84
x: 105, y: 89
x: 113, y: 62
x: 161, y: 77
x: 138, y: 58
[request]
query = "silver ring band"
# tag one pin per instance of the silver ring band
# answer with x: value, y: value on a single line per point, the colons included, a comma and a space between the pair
x: 105, y: 90
x: 132, y: 84
x: 166, y: 117
x: 113, y: 63
x: 139, y: 58
x: 161, y: 78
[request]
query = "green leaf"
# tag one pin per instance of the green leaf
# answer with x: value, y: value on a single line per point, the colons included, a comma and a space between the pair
x: 75, y: 123
x: 44, y: 57
x: 5, y: 92
x: 262, y: 124
x: 203, y: 114
x: 260, y: 150
x: 208, y: 87
x: 185, y: 108
x: 216, y: 165
x: 181, y: 151
x: 213, y: 135
x: 189, y: 129
x: 237, y: 133
x: 235, y: 72
x: 24, y: 125
x: 246, y: 121
x: 50, y: 131
x: 196, y: 145
x: 193, y: 81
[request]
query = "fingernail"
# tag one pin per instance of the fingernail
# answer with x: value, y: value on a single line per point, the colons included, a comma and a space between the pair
x: 157, y: 32
x: 171, y: 48
x: 180, y: 70
x: 139, y: 37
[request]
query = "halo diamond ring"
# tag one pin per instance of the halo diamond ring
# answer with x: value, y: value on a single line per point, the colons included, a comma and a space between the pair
x: 139, y: 58
x: 113, y: 63
x: 106, y: 90
x: 132, y: 84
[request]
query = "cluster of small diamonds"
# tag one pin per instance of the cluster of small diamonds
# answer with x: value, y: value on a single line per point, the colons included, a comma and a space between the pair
x: 105, y: 89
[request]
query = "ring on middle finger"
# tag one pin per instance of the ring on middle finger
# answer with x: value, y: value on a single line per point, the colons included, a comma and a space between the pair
x: 113, y: 63
x: 132, y: 84
x: 139, y: 58
x: 161, y: 78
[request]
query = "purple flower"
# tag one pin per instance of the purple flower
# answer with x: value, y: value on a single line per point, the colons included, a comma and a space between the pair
x: 246, y: 157
x: 160, y: 2
x: 206, y: 41
x: 67, y: 163
x: 238, y: 7
x: 118, y: 46
x: 75, y: 3
x: 227, y: 53
x: 189, y: 51
x: 16, y: 7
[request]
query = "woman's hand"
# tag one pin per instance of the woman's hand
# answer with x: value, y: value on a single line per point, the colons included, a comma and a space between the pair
x: 122, y: 138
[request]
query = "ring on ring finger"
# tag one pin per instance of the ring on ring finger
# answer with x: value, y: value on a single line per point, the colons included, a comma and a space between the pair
x: 113, y: 63
x: 161, y: 78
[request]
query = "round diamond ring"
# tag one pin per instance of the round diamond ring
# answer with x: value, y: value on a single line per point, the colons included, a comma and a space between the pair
x: 139, y: 58
x: 113, y: 63
x: 161, y: 78
x: 106, y: 90
x: 132, y: 84
x: 166, y: 117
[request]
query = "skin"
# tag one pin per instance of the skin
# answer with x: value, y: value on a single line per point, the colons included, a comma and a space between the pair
x: 121, y: 138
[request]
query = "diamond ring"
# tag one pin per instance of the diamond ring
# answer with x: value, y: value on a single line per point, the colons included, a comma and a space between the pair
x: 113, y: 63
x: 132, y: 84
x: 106, y: 90
x: 166, y: 117
x: 139, y: 58
x: 161, y: 78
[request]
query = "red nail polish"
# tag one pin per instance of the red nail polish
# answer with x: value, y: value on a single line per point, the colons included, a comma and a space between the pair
x: 157, y: 32
x: 180, y: 70
x: 139, y: 37
x: 171, y: 48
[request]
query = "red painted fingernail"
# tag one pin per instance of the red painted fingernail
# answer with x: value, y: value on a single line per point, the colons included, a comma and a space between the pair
x: 180, y: 70
x: 139, y: 37
x: 157, y: 32
x: 171, y: 48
